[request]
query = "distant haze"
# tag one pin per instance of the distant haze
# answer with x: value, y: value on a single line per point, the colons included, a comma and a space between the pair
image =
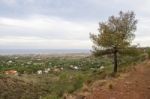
x: 43, y: 51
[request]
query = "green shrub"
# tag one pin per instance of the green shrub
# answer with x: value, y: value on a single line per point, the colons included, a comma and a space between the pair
x: 148, y: 52
x: 51, y: 97
x: 2, y: 76
x: 78, y: 82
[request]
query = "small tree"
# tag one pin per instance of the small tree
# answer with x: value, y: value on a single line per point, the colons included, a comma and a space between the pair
x: 114, y: 34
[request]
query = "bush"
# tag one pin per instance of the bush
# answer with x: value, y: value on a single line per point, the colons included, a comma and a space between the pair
x: 2, y: 76
x: 51, y: 97
x: 78, y: 83
x: 148, y: 52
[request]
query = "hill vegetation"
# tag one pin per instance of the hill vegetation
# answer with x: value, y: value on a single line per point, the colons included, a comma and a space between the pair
x: 55, y: 84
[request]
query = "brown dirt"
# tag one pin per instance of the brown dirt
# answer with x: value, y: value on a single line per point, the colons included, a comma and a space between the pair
x: 134, y: 84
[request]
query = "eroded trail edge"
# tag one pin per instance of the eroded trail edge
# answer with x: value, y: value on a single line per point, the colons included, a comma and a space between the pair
x: 134, y: 84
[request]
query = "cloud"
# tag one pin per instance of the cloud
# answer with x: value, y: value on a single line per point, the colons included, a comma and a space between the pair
x: 88, y: 10
x: 51, y: 32
x: 42, y: 43
x: 48, y: 27
x: 8, y: 2
x: 45, y: 32
x: 34, y: 23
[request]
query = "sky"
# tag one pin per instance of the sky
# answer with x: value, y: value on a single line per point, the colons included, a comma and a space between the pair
x: 64, y: 24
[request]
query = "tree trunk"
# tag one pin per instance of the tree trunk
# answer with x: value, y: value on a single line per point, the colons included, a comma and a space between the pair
x: 115, y: 60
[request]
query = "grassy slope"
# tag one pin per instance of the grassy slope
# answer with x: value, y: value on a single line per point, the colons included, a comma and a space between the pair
x: 53, y: 85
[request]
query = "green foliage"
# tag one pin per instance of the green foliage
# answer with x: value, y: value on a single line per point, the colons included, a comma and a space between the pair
x: 52, y: 85
x: 51, y: 97
x: 117, y: 31
x: 2, y: 76
x: 114, y: 34
x: 148, y: 52
x: 20, y: 64
x: 130, y: 51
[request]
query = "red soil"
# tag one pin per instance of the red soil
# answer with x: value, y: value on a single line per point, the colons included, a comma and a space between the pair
x: 131, y: 85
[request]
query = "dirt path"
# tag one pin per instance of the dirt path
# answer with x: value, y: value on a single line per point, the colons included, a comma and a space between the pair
x: 132, y: 85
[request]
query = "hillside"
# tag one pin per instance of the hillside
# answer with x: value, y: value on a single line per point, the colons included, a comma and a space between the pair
x: 134, y: 84
x: 131, y: 82
x: 11, y: 88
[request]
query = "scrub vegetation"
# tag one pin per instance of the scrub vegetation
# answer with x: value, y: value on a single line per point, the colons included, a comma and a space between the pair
x: 62, y: 78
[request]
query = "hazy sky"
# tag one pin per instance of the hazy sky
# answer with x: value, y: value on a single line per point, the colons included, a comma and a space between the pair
x: 64, y: 24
